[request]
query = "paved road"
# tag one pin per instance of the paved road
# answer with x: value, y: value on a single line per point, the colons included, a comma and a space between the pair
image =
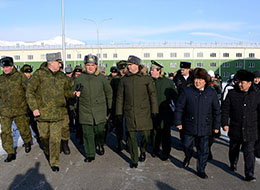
x: 111, y: 171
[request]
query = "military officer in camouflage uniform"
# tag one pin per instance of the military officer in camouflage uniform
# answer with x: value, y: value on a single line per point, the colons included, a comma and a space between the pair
x: 166, y: 97
x: 13, y: 107
x: 27, y: 70
x: 121, y: 66
x: 65, y: 131
x: 137, y: 101
x: 46, y: 95
x: 95, y: 101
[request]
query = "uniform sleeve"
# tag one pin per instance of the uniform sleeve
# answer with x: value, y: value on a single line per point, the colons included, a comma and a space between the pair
x: 180, y: 106
x: 225, y: 109
x: 152, y: 96
x: 108, y: 93
x: 24, y: 81
x: 216, y: 111
x: 32, y: 87
x: 120, y: 98
x: 68, y: 93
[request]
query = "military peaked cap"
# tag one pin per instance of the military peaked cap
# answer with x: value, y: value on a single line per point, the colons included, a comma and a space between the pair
x: 113, y: 69
x: 78, y: 68
x: 68, y: 69
x: 121, y: 64
x: 156, y: 65
x: 185, y: 65
x: 257, y: 74
x: 26, y: 68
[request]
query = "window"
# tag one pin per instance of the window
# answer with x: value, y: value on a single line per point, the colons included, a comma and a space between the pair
x: 186, y: 54
x: 98, y: 55
x: 213, y: 55
x: 200, y: 54
x: 17, y: 57
x: 2, y: 56
x: 104, y: 55
x: 251, y: 65
x: 226, y: 74
x: 146, y: 55
x: 79, y: 56
x: 225, y: 54
x: 43, y: 56
x: 226, y: 64
x: 238, y: 65
x: 213, y: 64
x: 173, y: 65
x: 159, y: 54
x: 115, y: 55
x: 68, y: 56
x: 173, y: 54
x: 252, y: 55
x: 238, y: 54
x: 30, y: 57
x: 199, y: 64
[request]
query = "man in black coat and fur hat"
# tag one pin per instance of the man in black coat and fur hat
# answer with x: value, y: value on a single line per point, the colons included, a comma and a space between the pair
x: 197, y: 113
x: 240, y: 117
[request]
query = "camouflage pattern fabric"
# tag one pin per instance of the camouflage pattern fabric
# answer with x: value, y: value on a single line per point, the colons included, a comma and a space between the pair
x: 22, y: 123
x: 12, y: 94
x: 50, y: 134
x: 47, y: 91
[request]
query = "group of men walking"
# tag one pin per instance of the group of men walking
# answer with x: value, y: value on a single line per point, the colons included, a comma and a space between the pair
x: 142, y: 103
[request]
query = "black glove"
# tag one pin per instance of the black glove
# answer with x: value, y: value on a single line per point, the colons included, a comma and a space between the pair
x: 119, y: 118
x: 154, y: 115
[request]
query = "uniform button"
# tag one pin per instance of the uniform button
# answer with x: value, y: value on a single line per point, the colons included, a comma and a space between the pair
x: 244, y: 117
x: 245, y: 105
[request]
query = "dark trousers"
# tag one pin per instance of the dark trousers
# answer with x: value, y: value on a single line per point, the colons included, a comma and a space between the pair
x: 133, y: 143
x: 93, y: 135
x: 203, y: 150
x: 248, y: 152
x: 161, y: 135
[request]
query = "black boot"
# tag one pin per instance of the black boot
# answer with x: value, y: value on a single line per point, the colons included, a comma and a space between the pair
x: 119, y: 145
x: 27, y: 147
x: 142, y: 157
x: 55, y: 169
x: 65, y: 147
x: 89, y: 159
x: 10, y: 157
x: 100, y: 150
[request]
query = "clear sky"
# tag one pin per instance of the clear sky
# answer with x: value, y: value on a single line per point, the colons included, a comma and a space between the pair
x: 132, y: 20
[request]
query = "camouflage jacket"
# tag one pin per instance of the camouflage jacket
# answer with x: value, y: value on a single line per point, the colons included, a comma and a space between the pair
x: 12, y: 94
x: 47, y: 91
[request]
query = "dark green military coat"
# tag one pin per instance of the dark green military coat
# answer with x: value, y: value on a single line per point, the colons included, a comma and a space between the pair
x: 47, y: 91
x: 12, y: 94
x: 136, y: 100
x: 165, y: 92
x: 95, y: 98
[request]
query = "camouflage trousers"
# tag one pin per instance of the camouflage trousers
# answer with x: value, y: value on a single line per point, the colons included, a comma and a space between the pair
x: 22, y: 123
x: 65, y: 130
x: 50, y: 135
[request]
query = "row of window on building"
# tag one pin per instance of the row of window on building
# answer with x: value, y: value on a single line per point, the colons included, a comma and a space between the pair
x: 214, y: 64
x: 146, y: 55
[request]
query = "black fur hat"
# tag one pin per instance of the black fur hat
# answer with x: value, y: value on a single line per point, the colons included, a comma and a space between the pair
x: 244, y: 75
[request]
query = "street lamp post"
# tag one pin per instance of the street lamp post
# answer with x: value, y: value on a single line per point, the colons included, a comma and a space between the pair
x: 63, y: 37
x: 97, y: 29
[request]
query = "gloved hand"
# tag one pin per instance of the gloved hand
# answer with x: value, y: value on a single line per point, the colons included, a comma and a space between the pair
x: 119, y: 118
x: 154, y: 115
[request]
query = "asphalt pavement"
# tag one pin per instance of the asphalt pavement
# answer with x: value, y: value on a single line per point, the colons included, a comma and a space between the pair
x: 111, y: 171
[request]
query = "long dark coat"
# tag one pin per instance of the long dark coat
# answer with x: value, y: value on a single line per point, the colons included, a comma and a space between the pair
x: 165, y: 91
x: 95, y: 98
x: 198, y: 111
x: 243, y: 110
x: 136, y: 100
